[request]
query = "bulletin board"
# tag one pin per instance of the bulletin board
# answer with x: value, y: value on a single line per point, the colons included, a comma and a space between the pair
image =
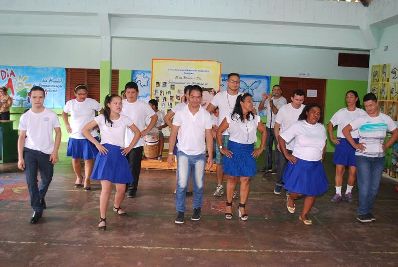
x: 170, y: 76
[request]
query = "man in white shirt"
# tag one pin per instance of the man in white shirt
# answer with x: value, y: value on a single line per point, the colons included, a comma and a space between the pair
x: 193, y: 125
x: 286, y: 116
x: 139, y: 112
x: 271, y: 103
x: 160, y: 124
x: 225, y: 101
x: 37, y: 151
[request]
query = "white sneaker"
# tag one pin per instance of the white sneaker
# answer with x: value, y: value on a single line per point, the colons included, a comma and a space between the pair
x: 219, y: 191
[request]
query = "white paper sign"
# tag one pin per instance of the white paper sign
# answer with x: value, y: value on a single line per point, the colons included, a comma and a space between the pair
x: 312, y: 93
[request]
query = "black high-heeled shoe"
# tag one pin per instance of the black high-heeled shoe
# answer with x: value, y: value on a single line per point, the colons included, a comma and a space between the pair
x: 244, y: 216
x: 102, y: 224
x: 228, y: 215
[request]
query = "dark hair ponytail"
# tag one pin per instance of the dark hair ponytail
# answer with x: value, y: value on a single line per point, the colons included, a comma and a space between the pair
x: 107, y: 110
x: 358, y: 103
x: 238, y: 112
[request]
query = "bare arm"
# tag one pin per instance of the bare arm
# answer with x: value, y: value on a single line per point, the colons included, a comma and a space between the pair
x: 57, y: 142
x: 86, y: 131
x: 392, y: 139
x: 331, y: 134
x: 223, y: 150
x: 210, y: 108
x: 209, y: 143
x: 261, y: 106
x: 168, y: 118
x: 283, y: 149
x: 347, y: 134
x: 172, y: 142
x: 152, y: 124
x: 137, y: 136
x: 66, y: 121
x: 261, y: 128
x: 21, y: 145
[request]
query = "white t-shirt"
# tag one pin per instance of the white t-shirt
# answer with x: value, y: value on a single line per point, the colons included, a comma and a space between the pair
x: 310, y: 139
x: 243, y: 132
x: 81, y: 113
x: 39, y: 129
x: 115, y: 134
x: 343, y: 117
x: 178, y: 107
x: 225, y: 103
x: 278, y: 102
x: 287, y: 115
x: 192, y: 132
x: 372, y: 131
x: 160, y: 120
x: 138, y: 112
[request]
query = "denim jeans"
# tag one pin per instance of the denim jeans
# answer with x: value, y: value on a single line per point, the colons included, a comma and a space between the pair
x: 369, y: 172
x: 37, y: 161
x: 268, y: 149
x: 185, y: 165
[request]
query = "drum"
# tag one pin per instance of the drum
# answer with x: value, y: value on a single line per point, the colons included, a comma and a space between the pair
x: 151, y: 145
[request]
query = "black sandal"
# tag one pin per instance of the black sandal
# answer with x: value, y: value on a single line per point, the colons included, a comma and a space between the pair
x: 244, y: 216
x: 119, y: 211
x: 102, y: 224
x: 228, y: 215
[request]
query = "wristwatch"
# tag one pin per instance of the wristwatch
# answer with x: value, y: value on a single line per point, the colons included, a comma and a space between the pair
x: 220, y: 147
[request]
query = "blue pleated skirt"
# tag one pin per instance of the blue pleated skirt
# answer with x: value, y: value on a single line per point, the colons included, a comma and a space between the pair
x: 242, y: 162
x: 81, y: 149
x: 112, y: 166
x: 344, y: 153
x: 305, y: 177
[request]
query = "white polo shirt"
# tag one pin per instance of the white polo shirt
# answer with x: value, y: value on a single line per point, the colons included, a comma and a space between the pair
x: 343, y: 117
x: 243, y: 132
x: 139, y: 112
x: 309, y: 140
x: 192, y: 132
x: 278, y: 102
x: 225, y: 103
x: 39, y: 129
x: 81, y: 113
x: 287, y: 115
x: 115, y: 134
x: 179, y: 106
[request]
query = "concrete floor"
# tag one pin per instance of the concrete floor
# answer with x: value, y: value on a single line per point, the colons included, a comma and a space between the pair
x: 67, y: 235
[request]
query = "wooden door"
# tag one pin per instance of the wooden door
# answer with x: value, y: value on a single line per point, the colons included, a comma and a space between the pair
x: 314, y: 90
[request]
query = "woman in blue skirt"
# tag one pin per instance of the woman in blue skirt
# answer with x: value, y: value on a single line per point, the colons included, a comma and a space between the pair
x: 344, y: 154
x: 239, y: 160
x: 111, y: 165
x: 304, y: 174
x: 82, y: 110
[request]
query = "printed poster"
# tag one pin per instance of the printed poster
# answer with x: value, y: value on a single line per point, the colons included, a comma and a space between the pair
x: 19, y: 80
x: 143, y: 79
x: 170, y: 76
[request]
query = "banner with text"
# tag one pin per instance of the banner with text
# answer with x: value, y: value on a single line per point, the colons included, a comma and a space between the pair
x: 19, y: 80
x: 170, y: 76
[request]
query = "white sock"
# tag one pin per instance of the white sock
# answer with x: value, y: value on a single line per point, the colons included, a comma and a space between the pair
x: 349, y: 189
x: 338, y: 190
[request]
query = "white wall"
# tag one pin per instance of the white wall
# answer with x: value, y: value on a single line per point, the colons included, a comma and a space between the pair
x: 54, y: 51
x: 245, y: 59
x: 389, y: 37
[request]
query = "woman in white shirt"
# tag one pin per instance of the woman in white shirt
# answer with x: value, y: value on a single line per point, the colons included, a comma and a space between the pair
x: 82, y: 110
x: 344, y: 154
x: 304, y: 174
x: 111, y: 165
x: 239, y: 162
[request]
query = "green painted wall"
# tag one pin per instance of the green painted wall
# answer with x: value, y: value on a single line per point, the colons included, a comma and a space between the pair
x: 124, y: 77
x: 105, y: 79
x: 335, y: 98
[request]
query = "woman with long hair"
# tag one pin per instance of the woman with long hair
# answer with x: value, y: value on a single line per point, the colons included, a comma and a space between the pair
x: 82, y: 110
x: 111, y: 165
x: 344, y: 154
x: 240, y: 155
x: 304, y: 174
